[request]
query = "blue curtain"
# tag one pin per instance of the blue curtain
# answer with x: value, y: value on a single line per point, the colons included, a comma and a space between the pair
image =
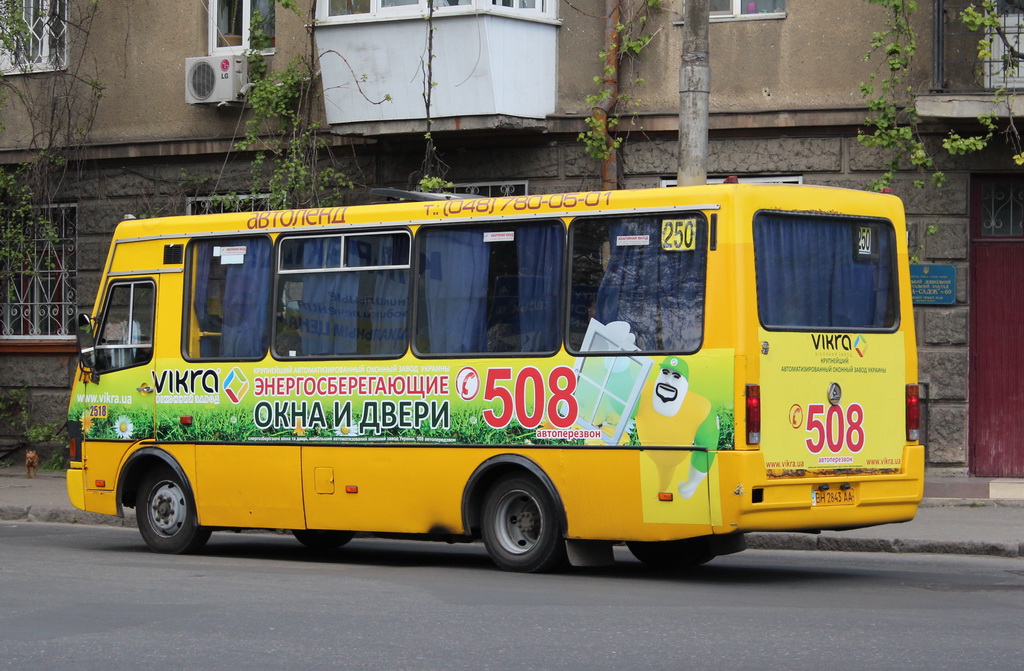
x: 810, y: 275
x: 246, y: 302
x: 386, y: 291
x: 328, y: 310
x: 453, y: 281
x: 389, y: 313
x: 659, y: 293
x: 539, y: 249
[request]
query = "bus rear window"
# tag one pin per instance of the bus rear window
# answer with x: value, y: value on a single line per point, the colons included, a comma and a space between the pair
x: 824, y: 272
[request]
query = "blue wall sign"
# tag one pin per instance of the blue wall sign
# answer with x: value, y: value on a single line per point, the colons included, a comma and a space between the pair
x: 933, y: 284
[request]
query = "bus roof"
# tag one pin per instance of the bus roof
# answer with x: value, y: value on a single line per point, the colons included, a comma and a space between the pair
x: 705, y: 197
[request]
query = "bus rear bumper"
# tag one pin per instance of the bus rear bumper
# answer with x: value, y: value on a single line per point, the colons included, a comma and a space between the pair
x: 760, y: 503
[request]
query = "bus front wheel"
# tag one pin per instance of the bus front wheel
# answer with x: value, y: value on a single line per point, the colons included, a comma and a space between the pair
x: 166, y: 514
x: 668, y: 555
x: 521, y: 528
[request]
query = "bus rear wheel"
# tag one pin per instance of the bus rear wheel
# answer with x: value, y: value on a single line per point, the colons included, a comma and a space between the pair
x: 521, y: 527
x: 166, y: 514
x: 322, y: 541
x: 672, y: 555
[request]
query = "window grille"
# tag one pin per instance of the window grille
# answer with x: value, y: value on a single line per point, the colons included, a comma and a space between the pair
x: 39, y: 293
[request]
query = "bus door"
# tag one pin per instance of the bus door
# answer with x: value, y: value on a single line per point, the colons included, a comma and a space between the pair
x: 116, y: 403
x: 832, y: 358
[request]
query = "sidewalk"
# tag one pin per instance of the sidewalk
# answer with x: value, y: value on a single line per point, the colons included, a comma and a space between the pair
x: 958, y: 516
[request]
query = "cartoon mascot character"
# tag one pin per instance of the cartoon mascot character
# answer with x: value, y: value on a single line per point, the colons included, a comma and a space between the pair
x: 670, y: 413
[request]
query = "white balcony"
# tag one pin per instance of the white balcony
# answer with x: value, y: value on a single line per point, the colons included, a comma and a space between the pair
x: 489, y: 61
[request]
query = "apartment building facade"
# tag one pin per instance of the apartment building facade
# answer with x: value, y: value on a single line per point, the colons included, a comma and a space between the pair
x: 148, y: 101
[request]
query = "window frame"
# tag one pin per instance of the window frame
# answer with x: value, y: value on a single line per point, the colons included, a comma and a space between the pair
x: 50, y: 36
x: 213, y: 32
x: 64, y: 276
x: 547, y: 12
x: 187, y: 306
x: 257, y: 202
x: 281, y: 274
x: 737, y: 13
x: 568, y: 333
x: 494, y: 226
x: 105, y: 317
x: 839, y: 219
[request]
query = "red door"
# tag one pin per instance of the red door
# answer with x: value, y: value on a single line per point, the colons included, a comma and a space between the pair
x: 996, y: 415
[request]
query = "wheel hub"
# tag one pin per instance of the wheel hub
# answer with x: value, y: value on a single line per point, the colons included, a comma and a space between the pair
x: 167, y: 509
x: 520, y: 522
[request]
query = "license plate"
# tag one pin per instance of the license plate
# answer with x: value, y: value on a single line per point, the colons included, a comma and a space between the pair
x: 833, y: 497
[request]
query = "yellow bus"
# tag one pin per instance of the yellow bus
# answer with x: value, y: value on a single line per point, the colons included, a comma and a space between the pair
x: 552, y: 374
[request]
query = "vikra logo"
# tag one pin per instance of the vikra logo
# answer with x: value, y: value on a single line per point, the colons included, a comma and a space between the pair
x: 833, y: 342
x: 197, y: 381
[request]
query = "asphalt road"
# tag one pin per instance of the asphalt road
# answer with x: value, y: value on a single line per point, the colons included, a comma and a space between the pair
x: 94, y: 598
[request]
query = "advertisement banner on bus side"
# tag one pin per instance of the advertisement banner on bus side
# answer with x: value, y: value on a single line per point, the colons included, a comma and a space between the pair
x: 592, y: 400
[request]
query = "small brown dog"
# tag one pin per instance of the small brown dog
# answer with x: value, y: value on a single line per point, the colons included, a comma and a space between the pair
x: 31, y: 463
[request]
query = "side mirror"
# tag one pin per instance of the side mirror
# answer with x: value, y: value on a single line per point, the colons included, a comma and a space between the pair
x: 86, y: 345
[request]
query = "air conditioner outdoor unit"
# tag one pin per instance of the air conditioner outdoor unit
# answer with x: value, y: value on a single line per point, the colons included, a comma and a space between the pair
x: 215, y: 80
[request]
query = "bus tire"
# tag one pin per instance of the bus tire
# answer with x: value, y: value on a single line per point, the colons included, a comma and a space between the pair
x: 521, y: 527
x: 672, y: 555
x: 166, y: 514
x: 322, y: 541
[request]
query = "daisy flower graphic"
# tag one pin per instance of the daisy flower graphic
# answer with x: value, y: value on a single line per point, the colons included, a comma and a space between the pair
x: 342, y: 431
x: 124, y: 427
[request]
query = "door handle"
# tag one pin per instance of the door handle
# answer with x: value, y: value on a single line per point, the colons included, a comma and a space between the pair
x: 145, y: 389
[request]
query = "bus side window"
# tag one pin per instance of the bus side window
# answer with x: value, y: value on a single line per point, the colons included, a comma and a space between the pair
x: 229, y: 306
x: 343, y: 295
x: 624, y: 269
x: 125, y: 336
x: 490, y: 289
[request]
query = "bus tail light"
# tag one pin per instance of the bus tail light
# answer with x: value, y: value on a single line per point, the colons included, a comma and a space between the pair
x: 753, y: 414
x: 913, y: 412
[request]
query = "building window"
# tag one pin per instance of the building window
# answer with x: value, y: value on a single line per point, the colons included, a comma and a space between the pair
x: 356, y: 10
x: 231, y: 23
x: 41, y: 42
x: 731, y: 9
x: 761, y: 179
x: 234, y: 202
x: 1002, y: 209
x: 492, y: 189
x: 38, y: 296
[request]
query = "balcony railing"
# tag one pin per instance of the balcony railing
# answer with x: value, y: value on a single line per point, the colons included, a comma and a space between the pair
x: 958, y: 67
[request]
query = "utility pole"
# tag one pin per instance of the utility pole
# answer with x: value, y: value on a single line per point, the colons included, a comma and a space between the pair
x: 694, y: 93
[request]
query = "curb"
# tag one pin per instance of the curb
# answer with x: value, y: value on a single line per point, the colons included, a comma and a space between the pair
x: 808, y: 542
x: 64, y: 516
